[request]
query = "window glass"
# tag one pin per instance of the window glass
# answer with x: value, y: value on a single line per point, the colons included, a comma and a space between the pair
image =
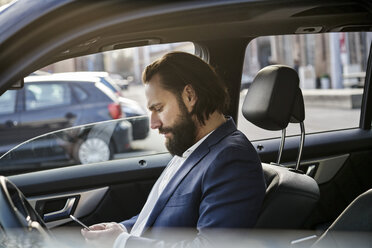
x: 331, y: 68
x: 80, y: 94
x: 8, y: 102
x: 97, y: 128
x: 135, y: 60
x: 46, y: 95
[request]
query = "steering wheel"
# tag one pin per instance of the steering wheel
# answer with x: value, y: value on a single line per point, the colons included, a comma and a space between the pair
x: 16, y: 213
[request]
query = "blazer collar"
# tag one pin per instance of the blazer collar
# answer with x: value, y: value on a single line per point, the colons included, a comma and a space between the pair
x: 203, y: 149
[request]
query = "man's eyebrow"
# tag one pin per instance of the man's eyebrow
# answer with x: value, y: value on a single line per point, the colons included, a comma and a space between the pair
x: 152, y: 106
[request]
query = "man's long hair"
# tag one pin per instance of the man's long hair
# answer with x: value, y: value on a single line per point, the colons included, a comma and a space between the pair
x: 178, y: 69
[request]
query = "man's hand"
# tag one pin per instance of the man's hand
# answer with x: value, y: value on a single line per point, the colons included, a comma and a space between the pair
x: 103, y: 234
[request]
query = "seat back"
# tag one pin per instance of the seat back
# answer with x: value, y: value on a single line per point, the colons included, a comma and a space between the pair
x: 274, y: 99
x: 289, y: 200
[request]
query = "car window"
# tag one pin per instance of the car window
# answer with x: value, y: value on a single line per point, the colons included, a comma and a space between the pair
x: 8, y: 102
x: 40, y: 96
x: 331, y: 69
x: 110, y: 83
x: 91, y: 143
x: 101, y: 126
x: 80, y: 94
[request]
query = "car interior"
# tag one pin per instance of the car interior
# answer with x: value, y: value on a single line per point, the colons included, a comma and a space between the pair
x: 318, y: 183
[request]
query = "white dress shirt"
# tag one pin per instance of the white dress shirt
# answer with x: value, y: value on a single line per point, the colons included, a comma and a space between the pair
x: 171, y: 169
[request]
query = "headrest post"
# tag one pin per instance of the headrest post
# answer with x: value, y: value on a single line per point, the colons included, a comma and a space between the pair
x: 302, y: 141
x: 282, y: 141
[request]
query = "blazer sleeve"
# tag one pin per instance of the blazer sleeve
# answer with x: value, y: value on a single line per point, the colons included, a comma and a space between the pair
x: 233, y: 189
x: 129, y: 223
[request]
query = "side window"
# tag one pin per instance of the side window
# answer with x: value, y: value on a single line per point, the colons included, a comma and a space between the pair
x: 331, y: 68
x: 40, y: 96
x: 97, y: 128
x: 80, y: 94
x: 123, y: 70
x: 8, y: 102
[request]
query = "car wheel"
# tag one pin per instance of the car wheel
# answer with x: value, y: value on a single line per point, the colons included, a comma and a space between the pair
x: 92, y: 150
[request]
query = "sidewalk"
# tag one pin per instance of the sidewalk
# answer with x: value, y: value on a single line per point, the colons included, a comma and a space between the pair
x: 334, y: 98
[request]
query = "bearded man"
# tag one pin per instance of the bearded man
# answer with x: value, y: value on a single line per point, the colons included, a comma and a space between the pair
x: 215, y: 178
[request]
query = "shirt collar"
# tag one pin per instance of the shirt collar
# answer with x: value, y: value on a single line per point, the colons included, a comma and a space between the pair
x: 188, y: 152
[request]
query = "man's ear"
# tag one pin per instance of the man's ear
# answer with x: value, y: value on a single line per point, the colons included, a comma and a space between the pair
x: 189, y: 97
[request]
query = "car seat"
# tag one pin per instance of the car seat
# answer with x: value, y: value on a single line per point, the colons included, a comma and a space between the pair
x: 273, y: 100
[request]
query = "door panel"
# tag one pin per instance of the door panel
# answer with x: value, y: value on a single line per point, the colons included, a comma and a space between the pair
x: 343, y: 167
x: 55, y: 209
x: 128, y: 185
x: 316, y: 145
x: 353, y: 179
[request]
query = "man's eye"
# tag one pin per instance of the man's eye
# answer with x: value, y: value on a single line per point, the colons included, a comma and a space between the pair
x: 158, y: 109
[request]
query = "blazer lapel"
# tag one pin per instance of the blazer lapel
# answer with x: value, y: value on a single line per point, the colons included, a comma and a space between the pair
x: 190, y: 162
x: 222, y: 131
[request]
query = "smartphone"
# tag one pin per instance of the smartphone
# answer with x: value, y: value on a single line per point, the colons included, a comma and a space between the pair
x: 78, y: 221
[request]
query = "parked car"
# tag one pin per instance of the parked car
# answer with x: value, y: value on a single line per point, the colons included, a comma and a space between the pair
x: 39, y: 73
x: 85, y: 144
x: 105, y: 78
x: 129, y: 107
x: 50, y: 103
x: 35, y: 34
x: 122, y: 82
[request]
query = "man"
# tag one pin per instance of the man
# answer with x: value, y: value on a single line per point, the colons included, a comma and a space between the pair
x: 215, y: 178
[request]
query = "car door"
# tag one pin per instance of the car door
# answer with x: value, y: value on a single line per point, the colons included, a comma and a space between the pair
x: 337, y: 150
x: 106, y: 191
x: 47, y: 107
x: 9, y: 120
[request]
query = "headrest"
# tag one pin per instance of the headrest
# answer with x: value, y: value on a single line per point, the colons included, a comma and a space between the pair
x: 298, y: 113
x: 270, y: 101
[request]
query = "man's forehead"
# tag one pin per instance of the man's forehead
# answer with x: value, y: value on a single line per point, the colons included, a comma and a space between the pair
x: 156, y: 94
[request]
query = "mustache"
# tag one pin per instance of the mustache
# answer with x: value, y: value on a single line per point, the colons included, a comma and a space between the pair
x: 165, y: 130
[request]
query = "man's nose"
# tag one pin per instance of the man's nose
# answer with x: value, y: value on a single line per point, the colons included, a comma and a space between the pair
x: 155, y: 121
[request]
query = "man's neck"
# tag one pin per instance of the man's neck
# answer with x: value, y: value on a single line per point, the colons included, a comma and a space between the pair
x: 214, y: 121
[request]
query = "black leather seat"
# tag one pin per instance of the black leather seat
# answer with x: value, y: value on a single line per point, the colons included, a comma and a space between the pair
x: 290, y: 198
x: 274, y: 99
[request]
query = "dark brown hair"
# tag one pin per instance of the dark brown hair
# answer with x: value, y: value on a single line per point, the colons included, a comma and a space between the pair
x: 178, y: 69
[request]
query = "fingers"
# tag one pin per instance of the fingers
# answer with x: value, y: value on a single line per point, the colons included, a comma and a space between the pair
x: 101, y: 226
x: 103, y: 232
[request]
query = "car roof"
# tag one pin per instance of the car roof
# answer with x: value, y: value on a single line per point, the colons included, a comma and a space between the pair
x: 121, y: 24
x: 18, y: 14
x: 90, y: 75
x: 82, y: 74
x: 60, y: 77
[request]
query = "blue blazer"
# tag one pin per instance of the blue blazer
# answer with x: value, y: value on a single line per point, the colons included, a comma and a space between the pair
x: 220, y: 185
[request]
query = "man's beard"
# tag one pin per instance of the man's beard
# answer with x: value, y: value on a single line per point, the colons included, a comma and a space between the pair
x: 184, y: 133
